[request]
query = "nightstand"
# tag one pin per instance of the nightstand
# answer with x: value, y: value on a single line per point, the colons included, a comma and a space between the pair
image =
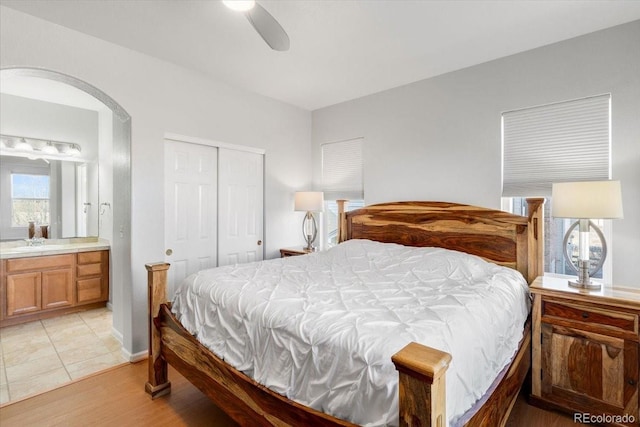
x: 286, y: 252
x: 585, y: 351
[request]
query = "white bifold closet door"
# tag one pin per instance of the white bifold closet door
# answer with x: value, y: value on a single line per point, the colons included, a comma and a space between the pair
x: 213, y: 208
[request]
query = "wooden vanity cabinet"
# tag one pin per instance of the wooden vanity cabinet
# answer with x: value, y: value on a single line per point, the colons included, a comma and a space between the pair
x: 32, y: 288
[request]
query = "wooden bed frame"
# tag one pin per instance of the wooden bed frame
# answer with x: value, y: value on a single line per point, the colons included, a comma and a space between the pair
x: 500, y: 237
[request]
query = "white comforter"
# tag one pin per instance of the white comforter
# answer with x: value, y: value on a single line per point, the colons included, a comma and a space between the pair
x: 321, y: 329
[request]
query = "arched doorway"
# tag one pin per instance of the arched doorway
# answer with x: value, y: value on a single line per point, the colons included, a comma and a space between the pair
x: 117, y: 229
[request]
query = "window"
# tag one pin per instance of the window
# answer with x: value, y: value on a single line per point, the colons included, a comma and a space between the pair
x: 29, y: 199
x: 561, y: 142
x: 330, y: 216
x: 341, y: 179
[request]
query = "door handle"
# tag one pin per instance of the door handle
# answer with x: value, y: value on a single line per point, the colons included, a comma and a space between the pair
x: 259, y: 242
x: 169, y: 252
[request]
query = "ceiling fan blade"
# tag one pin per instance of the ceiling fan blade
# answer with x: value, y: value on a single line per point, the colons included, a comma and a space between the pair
x: 268, y: 28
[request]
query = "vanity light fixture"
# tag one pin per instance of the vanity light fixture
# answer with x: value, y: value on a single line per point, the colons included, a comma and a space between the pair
x: 36, y: 148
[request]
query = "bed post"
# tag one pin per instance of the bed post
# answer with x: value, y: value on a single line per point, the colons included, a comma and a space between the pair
x: 158, y: 384
x: 535, y: 209
x: 342, y: 220
x: 421, y: 372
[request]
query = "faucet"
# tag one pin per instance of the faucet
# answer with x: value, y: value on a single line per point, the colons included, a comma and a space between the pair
x: 35, y: 241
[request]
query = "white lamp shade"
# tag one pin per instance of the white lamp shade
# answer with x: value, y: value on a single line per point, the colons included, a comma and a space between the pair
x: 587, y: 199
x: 309, y: 201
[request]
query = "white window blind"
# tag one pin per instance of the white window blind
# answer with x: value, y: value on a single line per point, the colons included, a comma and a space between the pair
x: 342, y: 170
x: 562, y: 142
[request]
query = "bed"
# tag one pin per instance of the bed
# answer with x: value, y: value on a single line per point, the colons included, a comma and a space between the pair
x: 504, y: 239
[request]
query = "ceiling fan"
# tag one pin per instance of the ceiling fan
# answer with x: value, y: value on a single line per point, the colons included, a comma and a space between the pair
x: 265, y: 24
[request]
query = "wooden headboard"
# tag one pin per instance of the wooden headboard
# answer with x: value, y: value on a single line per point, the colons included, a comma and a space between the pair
x: 500, y: 237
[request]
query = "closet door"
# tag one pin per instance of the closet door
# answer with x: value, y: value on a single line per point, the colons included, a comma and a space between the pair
x: 190, y: 209
x: 240, y: 209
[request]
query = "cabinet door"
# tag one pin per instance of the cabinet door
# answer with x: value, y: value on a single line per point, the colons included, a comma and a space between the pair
x: 23, y: 293
x: 57, y: 288
x: 589, y: 372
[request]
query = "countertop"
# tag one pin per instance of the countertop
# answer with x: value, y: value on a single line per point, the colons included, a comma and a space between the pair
x: 19, y: 249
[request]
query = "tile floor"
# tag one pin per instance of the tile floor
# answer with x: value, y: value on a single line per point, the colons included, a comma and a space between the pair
x: 44, y: 354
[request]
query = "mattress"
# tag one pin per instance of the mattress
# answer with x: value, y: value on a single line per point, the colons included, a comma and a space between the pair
x: 321, y: 328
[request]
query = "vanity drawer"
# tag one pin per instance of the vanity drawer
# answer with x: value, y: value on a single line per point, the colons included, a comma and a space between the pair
x: 39, y: 263
x: 89, y: 257
x: 89, y: 270
x: 593, y: 317
x: 89, y: 290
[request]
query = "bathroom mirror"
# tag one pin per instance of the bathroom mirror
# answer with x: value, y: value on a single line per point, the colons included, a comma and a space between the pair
x: 59, y: 193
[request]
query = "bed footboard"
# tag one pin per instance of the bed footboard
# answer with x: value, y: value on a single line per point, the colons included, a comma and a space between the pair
x: 422, y: 385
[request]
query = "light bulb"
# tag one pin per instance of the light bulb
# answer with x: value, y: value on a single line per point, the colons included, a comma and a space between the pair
x: 23, y: 145
x: 49, y: 149
x: 74, y: 150
x: 239, y: 5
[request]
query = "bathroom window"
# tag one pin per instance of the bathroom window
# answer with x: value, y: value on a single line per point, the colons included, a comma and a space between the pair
x: 29, y: 199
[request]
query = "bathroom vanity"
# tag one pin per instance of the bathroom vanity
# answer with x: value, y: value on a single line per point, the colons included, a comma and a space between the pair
x: 56, y: 278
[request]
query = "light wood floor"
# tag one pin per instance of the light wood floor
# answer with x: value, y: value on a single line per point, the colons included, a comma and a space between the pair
x: 116, y: 398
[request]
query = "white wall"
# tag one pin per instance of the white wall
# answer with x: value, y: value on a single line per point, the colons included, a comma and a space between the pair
x: 161, y: 97
x: 439, y: 138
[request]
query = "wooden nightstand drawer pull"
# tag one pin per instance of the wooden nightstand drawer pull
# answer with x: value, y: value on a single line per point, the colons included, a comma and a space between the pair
x: 631, y: 382
x: 585, y: 315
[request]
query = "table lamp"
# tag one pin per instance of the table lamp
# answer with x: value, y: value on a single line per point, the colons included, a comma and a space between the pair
x: 584, y: 201
x: 309, y: 202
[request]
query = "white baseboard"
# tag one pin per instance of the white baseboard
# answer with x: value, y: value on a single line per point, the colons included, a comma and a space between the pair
x: 117, y: 335
x: 136, y: 357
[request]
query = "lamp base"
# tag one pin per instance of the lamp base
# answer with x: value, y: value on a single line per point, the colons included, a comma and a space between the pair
x: 591, y: 285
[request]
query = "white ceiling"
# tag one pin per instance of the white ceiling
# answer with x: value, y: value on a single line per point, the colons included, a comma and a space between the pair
x: 340, y: 50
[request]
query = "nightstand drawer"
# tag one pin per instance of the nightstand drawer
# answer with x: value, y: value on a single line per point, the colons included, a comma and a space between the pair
x: 596, y: 318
